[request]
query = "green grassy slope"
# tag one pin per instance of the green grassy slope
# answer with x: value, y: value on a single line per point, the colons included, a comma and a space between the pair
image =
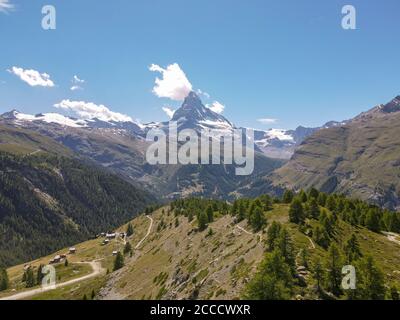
x: 176, y: 261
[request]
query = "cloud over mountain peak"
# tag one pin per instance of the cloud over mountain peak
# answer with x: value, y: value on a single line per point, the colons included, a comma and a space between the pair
x: 173, y: 85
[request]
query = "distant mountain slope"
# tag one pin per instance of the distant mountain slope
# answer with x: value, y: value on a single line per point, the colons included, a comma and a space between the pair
x: 361, y: 158
x: 281, y: 144
x: 20, y: 141
x: 49, y: 202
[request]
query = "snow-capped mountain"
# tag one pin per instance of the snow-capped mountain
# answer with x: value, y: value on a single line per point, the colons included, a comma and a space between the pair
x: 22, y: 119
x: 281, y: 144
x: 193, y: 114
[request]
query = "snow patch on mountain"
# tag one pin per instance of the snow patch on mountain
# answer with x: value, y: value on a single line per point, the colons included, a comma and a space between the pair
x: 51, y: 118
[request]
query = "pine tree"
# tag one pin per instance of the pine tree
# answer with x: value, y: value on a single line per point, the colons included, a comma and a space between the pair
x: 235, y: 208
x: 322, y: 199
x: 327, y: 221
x: 4, y: 282
x: 372, y: 221
x: 296, y: 212
x: 39, y: 275
x: 319, y: 274
x: 273, y: 280
x: 267, y: 202
x: 339, y: 206
x: 127, y: 248
x: 202, y: 221
x: 66, y: 263
x: 241, y: 215
x: 313, y: 193
x: 370, y: 280
x: 129, y: 230
x: 257, y: 219
x: 93, y: 295
x: 30, y: 278
x: 272, y: 235
x: 321, y: 237
x: 284, y: 245
x: 210, y: 214
x: 331, y: 203
x: 314, y: 210
x: 334, y: 266
x: 288, y: 196
x: 394, y: 293
x: 118, y: 262
x: 303, y: 196
x: 352, y: 249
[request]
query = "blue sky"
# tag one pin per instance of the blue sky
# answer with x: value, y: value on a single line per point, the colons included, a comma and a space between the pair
x: 285, y: 60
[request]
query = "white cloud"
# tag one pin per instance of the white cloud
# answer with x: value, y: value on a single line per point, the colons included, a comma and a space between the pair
x: 6, y: 6
x: 170, y: 112
x: 216, y: 107
x: 77, y: 83
x: 90, y: 110
x: 202, y: 93
x: 32, y: 77
x: 174, y: 83
x: 77, y: 80
x: 267, y: 120
x: 74, y: 88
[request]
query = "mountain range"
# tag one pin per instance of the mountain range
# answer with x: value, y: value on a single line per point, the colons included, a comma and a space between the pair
x: 357, y: 156
x: 274, y: 143
x: 121, y: 146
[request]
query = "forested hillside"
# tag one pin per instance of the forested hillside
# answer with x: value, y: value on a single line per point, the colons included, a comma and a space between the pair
x: 48, y: 202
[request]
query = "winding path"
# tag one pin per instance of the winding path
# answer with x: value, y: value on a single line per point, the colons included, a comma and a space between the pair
x: 147, y: 234
x: 391, y: 236
x: 244, y: 230
x: 34, y: 152
x: 97, y: 270
x: 312, y: 243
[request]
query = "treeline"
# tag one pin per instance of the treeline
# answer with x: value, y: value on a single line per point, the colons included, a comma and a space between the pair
x: 329, y: 208
x: 49, y: 202
x: 326, y: 208
x: 253, y: 210
x: 204, y: 210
